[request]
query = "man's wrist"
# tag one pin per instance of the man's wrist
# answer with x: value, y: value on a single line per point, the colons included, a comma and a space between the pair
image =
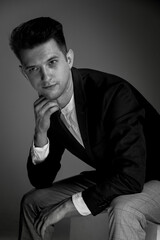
x: 70, y: 209
x: 40, y: 139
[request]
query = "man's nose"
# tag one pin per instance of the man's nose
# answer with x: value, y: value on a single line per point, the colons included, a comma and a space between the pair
x: 45, y: 74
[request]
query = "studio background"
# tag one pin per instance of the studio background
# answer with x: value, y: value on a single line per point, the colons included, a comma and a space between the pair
x: 116, y: 36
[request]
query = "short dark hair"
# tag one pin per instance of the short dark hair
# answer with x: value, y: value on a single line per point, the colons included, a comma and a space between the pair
x: 35, y: 32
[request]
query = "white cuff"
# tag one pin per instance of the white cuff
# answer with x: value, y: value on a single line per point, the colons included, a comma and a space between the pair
x: 39, y: 154
x: 80, y: 204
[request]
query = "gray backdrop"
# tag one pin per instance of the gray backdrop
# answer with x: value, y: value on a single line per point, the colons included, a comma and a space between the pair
x: 116, y: 36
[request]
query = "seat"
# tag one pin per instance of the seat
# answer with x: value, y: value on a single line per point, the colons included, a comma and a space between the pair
x: 96, y: 228
x: 89, y: 227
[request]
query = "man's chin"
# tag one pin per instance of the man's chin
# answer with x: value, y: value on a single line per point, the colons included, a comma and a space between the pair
x: 50, y: 97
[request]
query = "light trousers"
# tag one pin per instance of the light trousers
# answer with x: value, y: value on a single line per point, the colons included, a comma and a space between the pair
x: 128, y: 214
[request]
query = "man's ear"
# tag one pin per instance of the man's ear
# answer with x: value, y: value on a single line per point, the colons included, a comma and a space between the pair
x: 70, y: 57
x: 23, y: 72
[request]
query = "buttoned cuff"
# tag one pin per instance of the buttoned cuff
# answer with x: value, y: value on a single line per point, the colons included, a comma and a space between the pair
x: 39, y: 154
x: 80, y: 204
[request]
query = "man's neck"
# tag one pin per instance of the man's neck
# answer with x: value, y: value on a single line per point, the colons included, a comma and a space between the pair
x: 62, y: 102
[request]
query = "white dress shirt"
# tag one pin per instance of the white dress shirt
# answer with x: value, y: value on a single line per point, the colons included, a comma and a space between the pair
x: 69, y: 118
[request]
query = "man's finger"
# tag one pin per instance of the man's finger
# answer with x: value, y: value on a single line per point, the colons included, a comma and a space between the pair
x: 51, y: 110
x: 48, y: 106
x: 43, y: 230
x: 39, y: 101
x: 38, y: 225
x: 42, y: 102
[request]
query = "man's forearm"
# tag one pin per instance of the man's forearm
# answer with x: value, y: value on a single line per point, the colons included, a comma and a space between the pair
x: 70, y: 209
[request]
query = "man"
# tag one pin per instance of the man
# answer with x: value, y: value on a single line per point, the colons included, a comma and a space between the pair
x: 102, y: 120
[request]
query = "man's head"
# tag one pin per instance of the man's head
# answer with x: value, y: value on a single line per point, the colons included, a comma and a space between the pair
x: 35, y: 32
x: 45, y: 62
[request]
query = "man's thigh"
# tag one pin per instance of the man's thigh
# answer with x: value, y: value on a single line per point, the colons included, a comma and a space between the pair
x: 146, y: 203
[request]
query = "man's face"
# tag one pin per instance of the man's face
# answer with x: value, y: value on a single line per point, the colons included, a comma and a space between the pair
x: 48, y: 70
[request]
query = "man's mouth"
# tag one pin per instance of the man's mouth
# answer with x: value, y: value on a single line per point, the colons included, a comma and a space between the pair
x: 47, y: 86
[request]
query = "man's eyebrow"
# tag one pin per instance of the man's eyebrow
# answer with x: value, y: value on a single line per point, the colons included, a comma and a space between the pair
x: 52, y: 58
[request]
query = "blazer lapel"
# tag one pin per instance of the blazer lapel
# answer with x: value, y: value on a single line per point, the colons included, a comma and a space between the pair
x: 81, y: 108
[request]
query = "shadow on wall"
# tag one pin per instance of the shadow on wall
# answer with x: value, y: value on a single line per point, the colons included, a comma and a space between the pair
x: 120, y: 37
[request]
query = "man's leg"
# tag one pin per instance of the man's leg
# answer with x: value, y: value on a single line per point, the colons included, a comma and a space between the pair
x: 34, y: 202
x: 129, y: 214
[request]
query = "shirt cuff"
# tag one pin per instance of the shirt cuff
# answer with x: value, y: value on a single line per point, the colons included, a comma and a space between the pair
x: 39, y: 154
x: 80, y: 204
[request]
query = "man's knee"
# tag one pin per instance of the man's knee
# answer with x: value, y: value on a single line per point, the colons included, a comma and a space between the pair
x: 126, y: 210
x: 29, y: 200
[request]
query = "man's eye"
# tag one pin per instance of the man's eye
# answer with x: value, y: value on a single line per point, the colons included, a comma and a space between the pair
x: 52, y: 62
x: 33, y: 69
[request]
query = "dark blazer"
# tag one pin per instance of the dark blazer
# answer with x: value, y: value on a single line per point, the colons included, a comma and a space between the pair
x: 120, y: 131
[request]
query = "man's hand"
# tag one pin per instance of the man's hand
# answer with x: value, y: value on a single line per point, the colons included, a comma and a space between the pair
x: 49, y: 216
x: 43, y: 109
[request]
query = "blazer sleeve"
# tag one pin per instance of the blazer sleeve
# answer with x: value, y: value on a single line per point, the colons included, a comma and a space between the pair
x: 43, y: 174
x: 121, y: 154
